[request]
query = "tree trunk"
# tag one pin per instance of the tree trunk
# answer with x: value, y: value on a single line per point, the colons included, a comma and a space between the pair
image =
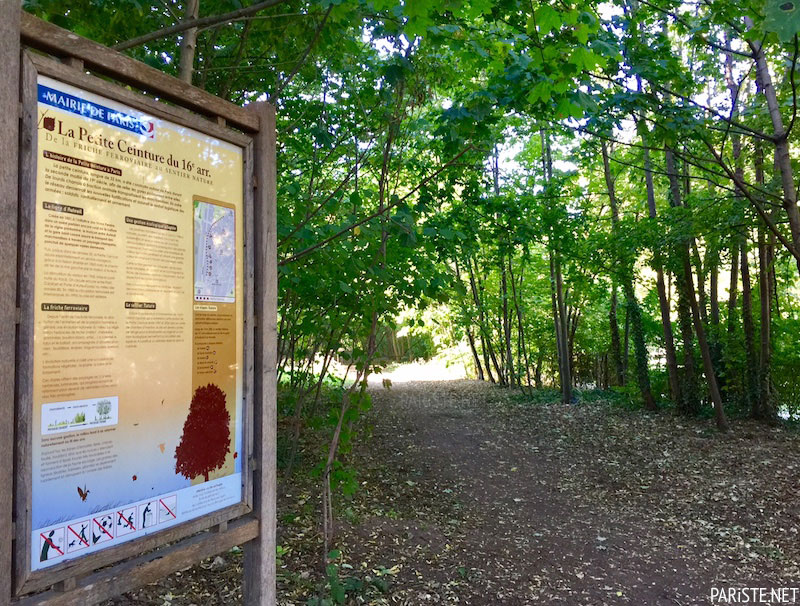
x: 521, y: 344
x: 705, y: 351
x: 616, y: 353
x: 627, y: 347
x: 639, y: 347
x: 669, y: 339
x: 486, y: 339
x: 689, y: 296
x: 475, y: 358
x: 751, y: 364
x: 188, y: 43
x: 702, y: 299
x: 663, y: 300
x: 631, y: 304
x: 733, y: 290
x: 485, y: 351
x: 715, y: 336
x: 783, y: 159
x: 510, y: 371
x: 764, y: 410
x: 689, y: 404
x: 560, y: 324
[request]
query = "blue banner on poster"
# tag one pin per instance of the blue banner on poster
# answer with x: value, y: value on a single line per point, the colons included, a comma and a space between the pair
x: 95, y: 111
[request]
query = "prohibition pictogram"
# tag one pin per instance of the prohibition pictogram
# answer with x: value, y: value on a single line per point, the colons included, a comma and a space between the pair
x: 147, y: 515
x: 166, y: 508
x: 76, y: 536
x: 126, y: 521
x: 51, y: 544
x: 102, y: 529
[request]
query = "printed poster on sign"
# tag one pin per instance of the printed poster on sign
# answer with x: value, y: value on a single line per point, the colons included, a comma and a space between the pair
x: 138, y: 325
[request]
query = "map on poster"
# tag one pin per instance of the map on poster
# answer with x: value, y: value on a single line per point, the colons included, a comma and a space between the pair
x: 138, y: 325
x: 214, y: 252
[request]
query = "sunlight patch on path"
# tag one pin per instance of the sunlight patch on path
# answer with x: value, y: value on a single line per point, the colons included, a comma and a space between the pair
x: 440, y: 368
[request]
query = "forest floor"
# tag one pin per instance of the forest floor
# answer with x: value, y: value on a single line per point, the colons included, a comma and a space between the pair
x: 472, y: 494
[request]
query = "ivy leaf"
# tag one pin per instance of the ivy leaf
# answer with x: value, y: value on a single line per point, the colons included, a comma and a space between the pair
x: 783, y: 18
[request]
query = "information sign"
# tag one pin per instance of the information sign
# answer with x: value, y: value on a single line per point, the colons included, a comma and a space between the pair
x: 138, y: 325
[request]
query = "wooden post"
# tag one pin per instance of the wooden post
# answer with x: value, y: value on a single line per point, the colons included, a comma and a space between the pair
x: 259, y: 562
x: 9, y: 195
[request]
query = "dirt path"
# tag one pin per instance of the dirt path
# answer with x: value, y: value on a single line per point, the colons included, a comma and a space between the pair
x: 480, y: 499
x: 470, y: 494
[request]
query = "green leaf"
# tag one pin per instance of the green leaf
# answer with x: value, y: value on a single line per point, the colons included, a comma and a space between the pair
x: 582, y: 33
x: 541, y: 92
x: 783, y: 18
x: 547, y: 19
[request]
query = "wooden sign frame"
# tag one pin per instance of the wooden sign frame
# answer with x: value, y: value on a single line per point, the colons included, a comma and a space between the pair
x: 29, y: 47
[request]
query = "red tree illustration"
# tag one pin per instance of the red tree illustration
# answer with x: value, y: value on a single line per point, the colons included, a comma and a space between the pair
x: 206, y: 434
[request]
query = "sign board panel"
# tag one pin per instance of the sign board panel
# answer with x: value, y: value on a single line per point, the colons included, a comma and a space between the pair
x: 138, y: 325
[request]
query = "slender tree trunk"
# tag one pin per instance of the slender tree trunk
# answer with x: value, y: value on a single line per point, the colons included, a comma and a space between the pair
x: 705, y: 351
x: 631, y: 304
x: 470, y: 337
x: 626, y: 352
x: 687, y: 298
x: 537, y: 374
x: 616, y: 353
x: 639, y: 347
x: 559, y: 323
x: 557, y: 290
x: 475, y: 358
x: 689, y: 404
x: 764, y: 409
x: 506, y: 353
x: 485, y: 351
x: 737, y: 243
x: 510, y: 371
x: 188, y: 43
x: 663, y: 300
x: 733, y: 290
x: 521, y: 345
x: 751, y: 363
x: 715, y: 336
x: 781, y: 140
x: 566, y: 388
x: 486, y: 342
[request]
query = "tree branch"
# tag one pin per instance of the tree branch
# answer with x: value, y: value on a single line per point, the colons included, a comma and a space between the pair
x: 284, y: 83
x: 378, y: 213
x: 182, y: 26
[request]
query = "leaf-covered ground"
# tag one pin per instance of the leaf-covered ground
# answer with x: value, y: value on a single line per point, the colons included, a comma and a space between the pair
x: 470, y: 495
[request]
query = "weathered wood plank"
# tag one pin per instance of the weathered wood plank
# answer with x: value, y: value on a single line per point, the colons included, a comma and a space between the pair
x: 178, y: 115
x: 134, y: 573
x: 96, y: 57
x: 259, y: 568
x: 249, y: 323
x: 24, y: 354
x: 9, y: 133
